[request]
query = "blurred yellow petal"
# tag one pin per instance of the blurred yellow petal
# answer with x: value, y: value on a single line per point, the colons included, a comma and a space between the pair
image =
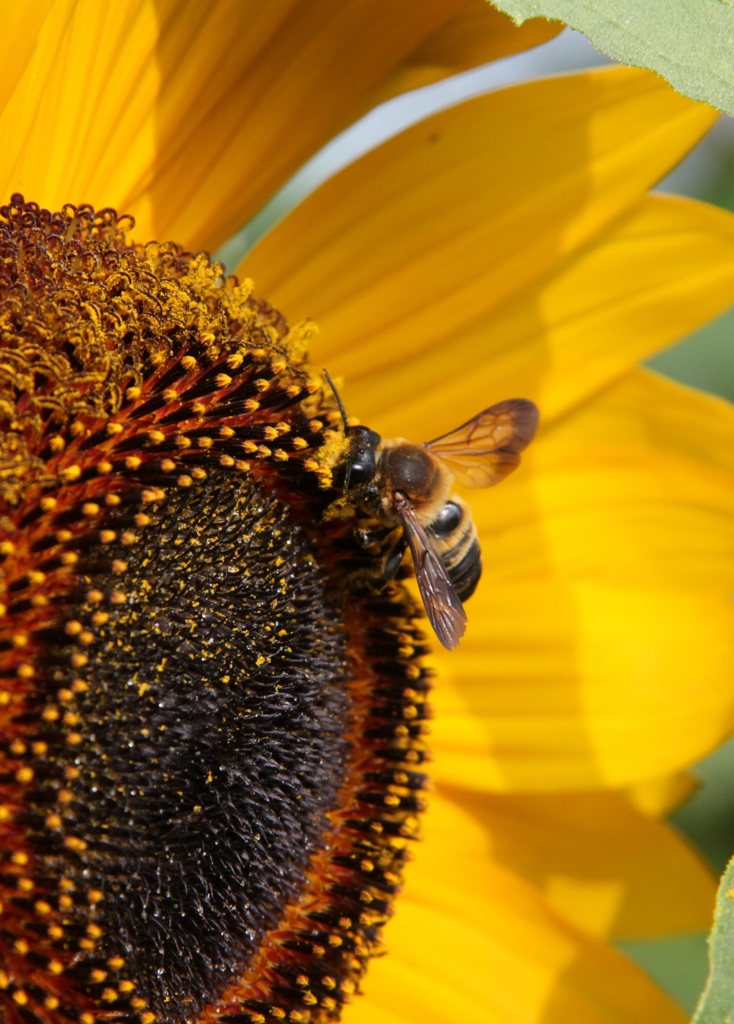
x: 660, y: 797
x: 423, y: 263
x: 519, y: 969
x: 599, y: 862
x: 191, y: 115
x: 478, y: 35
x: 603, y: 625
x: 472, y: 942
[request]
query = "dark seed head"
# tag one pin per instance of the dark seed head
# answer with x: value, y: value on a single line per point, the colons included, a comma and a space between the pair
x: 212, y: 723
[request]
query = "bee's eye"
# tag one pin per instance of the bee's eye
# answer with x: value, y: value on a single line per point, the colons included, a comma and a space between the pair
x: 361, y: 469
x: 447, y: 520
x: 362, y: 457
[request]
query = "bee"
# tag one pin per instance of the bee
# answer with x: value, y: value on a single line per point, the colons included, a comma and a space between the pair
x: 407, y: 488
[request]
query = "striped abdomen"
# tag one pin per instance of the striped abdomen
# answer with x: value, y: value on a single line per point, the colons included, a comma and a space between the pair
x: 457, y: 543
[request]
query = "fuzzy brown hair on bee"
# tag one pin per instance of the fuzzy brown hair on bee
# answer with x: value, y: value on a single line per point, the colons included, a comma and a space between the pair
x: 400, y: 495
x: 414, y: 471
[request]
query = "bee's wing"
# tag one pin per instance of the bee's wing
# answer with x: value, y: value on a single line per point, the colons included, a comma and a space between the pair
x: 443, y: 607
x: 482, y: 451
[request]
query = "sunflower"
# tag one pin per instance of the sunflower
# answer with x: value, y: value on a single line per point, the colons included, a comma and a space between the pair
x: 165, y: 440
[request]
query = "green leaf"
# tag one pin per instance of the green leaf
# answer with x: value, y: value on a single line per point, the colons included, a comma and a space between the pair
x: 717, y: 1002
x: 689, y: 42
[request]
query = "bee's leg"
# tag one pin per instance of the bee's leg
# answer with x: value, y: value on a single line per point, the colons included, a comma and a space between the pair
x: 384, y: 552
x: 366, y: 540
x: 369, y: 535
x: 394, y: 556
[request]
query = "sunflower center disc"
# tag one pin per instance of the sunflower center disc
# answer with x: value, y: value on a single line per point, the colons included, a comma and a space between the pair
x: 210, y: 729
x: 212, y: 739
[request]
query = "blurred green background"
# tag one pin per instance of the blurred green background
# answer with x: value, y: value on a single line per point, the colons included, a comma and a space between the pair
x: 704, y: 360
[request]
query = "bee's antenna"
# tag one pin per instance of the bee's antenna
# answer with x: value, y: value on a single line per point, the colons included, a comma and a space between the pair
x: 339, y: 402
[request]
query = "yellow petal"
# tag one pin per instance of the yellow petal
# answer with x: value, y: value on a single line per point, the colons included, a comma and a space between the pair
x: 20, y: 25
x: 472, y: 942
x: 79, y: 123
x: 191, y: 115
x: 662, y: 271
x: 600, y: 641
x: 426, y: 258
x: 478, y: 35
x: 601, y: 863
x: 248, y: 95
x: 660, y: 797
